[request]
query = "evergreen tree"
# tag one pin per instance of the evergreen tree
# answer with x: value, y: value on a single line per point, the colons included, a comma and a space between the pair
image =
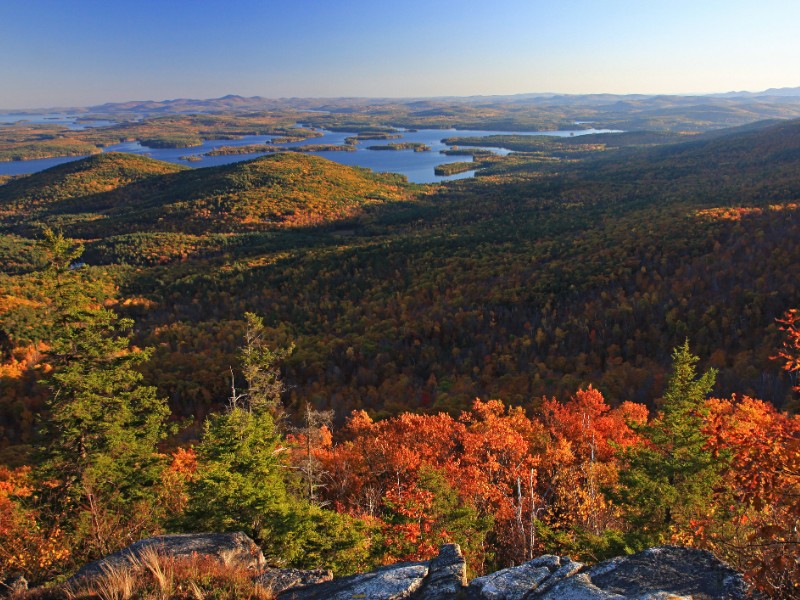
x: 239, y: 483
x: 454, y: 519
x: 241, y: 478
x: 670, y: 478
x: 101, y: 426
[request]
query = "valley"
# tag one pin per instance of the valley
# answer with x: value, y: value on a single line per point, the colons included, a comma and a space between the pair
x: 304, y: 300
x: 549, y: 271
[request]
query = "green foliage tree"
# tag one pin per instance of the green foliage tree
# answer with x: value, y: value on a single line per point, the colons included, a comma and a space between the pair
x: 101, y: 426
x: 670, y: 478
x: 241, y: 479
x: 454, y: 519
x: 240, y: 483
x: 321, y: 537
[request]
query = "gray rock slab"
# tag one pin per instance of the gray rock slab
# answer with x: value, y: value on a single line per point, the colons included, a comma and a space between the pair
x: 550, y: 561
x: 678, y: 571
x: 447, y: 575
x: 567, y: 569
x: 387, y: 583
x: 577, y: 587
x: 511, y: 583
x: 663, y: 573
x: 279, y: 580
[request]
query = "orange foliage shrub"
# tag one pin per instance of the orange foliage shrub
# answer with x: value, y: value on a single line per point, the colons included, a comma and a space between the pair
x: 507, y: 467
x: 758, y: 519
x: 26, y: 546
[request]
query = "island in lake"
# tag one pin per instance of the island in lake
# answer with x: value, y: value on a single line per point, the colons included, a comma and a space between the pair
x: 415, y: 146
x: 454, y: 168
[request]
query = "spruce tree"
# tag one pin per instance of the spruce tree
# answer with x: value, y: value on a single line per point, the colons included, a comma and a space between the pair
x: 670, y: 478
x: 239, y: 485
x: 242, y: 475
x: 101, y: 426
x: 240, y: 482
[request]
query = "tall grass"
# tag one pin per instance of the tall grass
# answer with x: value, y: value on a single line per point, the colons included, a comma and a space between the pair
x: 152, y: 575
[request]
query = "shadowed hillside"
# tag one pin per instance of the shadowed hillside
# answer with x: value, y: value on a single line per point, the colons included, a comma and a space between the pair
x: 97, y: 174
x: 118, y: 193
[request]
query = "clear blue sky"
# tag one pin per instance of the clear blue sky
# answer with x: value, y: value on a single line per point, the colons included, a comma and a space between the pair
x: 81, y: 52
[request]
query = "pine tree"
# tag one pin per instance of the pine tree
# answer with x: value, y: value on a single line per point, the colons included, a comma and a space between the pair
x: 671, y: 477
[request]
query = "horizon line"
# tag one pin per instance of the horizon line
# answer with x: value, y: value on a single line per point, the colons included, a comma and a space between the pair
x: 397, y: 98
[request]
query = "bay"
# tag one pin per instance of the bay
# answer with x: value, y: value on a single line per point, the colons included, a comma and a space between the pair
x: 418, y: 167
x: 71, y: 121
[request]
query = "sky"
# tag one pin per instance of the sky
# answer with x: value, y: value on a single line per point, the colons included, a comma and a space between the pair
x: 85, y: 52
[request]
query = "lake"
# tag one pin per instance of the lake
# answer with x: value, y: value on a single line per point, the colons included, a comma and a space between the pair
x: 418, y: 167
x: 70, y: 121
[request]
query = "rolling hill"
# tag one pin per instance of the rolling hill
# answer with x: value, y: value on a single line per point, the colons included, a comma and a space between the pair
x: 118, y: 193
x: 97, y: 174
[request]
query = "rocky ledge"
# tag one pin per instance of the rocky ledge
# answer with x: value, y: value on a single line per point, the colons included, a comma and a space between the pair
x: 666, y: 572
x: 232, y: 548
x: 662, y: 573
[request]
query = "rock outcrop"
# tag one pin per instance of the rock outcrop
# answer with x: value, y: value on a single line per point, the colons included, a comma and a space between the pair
x: 670, y: 570
x: 230, y: 548
x: 387, y: 583
x: 656, y: 574
x: 667, y: 572
x: 662, y: 573
x: 279, y: 580
x: 447, y: 575
x: 442, y: 578
x: 515, y: 583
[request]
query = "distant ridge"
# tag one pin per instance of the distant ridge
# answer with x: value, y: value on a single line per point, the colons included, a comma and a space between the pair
x: 178, y: 105
x: 245, y: 103
x: 785, y: 92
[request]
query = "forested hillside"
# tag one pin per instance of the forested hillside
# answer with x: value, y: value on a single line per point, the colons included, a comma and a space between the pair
x: 511, y: 286
x: 575, y: 300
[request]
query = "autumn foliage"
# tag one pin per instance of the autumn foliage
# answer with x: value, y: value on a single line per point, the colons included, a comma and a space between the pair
x: 404, y: 306
x: 506, y: 483
x: 27, y: 544
x: 789, y: 353
x: 516, y: 476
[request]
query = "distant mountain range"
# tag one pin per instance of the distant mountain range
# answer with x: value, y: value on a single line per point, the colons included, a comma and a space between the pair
x: 229, y: 102
x: 786, y: 92
x: 233, y: 102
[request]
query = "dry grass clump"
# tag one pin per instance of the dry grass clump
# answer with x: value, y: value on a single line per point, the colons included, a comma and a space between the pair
x: 154, y: 576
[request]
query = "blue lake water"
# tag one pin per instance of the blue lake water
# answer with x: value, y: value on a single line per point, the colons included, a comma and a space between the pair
x: 71, y: 121
x: 25, y: 167
x: 418, y: 167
